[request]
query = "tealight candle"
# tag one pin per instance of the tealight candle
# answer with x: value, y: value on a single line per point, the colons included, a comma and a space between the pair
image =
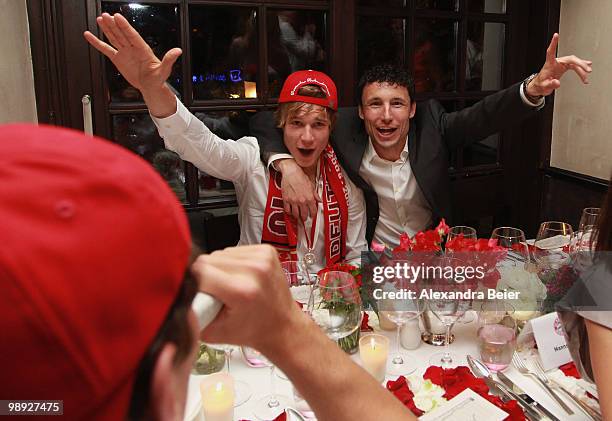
x: 218, y: 397
x: 374, y: 350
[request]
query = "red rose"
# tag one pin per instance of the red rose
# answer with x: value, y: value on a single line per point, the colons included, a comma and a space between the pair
x: 570, y: 370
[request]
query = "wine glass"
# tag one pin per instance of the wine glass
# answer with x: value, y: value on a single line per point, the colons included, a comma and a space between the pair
x: 242, y: 390
x: 299, y: 281
x: 468, y: 233
x: 270, y: 406
x: 552, y: 245
x: 400, y: 303
x: 588, y: 223
x: 450, y: 299
x: 513, y: 240
x: 465, y: 231
x: 335, y: 304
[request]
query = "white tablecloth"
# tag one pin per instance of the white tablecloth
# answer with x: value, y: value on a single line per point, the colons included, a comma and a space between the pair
x: 465, y: 343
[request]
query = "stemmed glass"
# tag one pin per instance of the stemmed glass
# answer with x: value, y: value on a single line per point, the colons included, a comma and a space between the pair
x: 512, y: 239
x: 468, y: 233
x: 335, y: 304
x: 465, y: 231
x: 299, y: 281
x: 270, y: 406
x: 552, y: 244
x: 242, y: 391
x: 404, y: 305
x: 588, y: 222
x: 449, y: 303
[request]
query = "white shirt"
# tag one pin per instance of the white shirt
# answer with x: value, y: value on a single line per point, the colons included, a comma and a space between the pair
x: 402, y: 206
x: 238, y: 162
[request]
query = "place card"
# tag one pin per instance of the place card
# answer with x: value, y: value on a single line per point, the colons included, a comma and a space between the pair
x: 466, y: 406
x: 548, y: 334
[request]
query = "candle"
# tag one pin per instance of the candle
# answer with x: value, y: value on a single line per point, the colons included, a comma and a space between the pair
x: 373, y: 350
x: 218, y: 397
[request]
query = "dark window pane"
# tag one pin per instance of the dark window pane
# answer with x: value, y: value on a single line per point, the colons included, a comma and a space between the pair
x: 437, y: 4
x: 159, y: 26
x: 296, y: 41
x: 224, y: 48
x: 484, y: 56
x: 481, y: 153
x: 487, y: 6
x: 138, y: 133
x: 379, y: 3
x: 380, y: 40
x: 434, y: 55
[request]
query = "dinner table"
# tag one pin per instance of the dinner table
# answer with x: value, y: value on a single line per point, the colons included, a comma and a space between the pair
x: 465, y: 343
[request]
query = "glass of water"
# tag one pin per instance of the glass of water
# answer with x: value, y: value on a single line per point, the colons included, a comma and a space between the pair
x: 496, y: 334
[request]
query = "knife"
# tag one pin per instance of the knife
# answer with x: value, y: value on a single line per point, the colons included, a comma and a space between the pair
x: 532, y: 402
x: 530, y: 412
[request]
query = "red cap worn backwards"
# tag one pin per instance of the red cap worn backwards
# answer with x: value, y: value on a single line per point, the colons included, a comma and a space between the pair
x: 296, y: 80
x: 94, y: 248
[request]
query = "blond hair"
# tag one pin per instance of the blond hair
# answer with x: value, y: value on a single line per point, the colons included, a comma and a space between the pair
x: 287, y: 110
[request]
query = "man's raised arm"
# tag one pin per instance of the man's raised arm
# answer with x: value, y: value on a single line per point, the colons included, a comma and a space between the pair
x: 137, y: 63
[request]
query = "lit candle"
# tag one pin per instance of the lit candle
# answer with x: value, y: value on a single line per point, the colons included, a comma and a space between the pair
x: 373, y: 350
x: 218, y: 397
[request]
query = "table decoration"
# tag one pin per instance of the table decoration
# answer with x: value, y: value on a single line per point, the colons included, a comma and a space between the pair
x: 350, y: 343
x: 374, y: 351
x: 439, y: 385
x: 218, y: 397
x: 208, y: 360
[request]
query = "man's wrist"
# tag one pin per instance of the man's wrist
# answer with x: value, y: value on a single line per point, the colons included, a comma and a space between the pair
x: 529, y: 89
x: 161, y: 102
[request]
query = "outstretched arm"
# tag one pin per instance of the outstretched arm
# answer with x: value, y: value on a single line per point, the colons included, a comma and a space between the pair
x: 137, y: 63
x: 505, y: 108
x: 249, y: 280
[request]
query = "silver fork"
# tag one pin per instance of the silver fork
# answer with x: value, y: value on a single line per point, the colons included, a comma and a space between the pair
x: 518, y: 362
x: 591, y: 412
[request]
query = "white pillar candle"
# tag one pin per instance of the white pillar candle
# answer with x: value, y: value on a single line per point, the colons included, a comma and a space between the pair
x: 374, y: 350
x: 218, y: 397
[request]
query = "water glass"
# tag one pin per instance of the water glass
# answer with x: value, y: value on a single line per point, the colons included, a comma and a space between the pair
x: 496, y: 334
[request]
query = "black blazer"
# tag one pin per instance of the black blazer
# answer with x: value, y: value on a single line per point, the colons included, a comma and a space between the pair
x: 433, y: 134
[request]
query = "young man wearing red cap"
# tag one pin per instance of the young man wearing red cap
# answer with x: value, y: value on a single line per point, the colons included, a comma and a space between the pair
x: 95, y: 295
x: 308, y: 103
x: 95, y: 304
x: 398, y: 151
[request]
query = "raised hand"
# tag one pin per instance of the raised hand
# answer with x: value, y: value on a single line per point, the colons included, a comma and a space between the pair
x: 549, y: 77
x: 136, y: 61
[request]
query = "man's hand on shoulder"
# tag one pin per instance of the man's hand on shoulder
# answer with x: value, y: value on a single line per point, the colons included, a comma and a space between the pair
x: 549, y: 77
x: 299, y: 195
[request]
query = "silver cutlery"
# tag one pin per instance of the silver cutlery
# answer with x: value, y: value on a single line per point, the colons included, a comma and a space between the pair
x: 591, y: 412
x: 481, y: 370
x: 519, y: 364
x: 532, y: 402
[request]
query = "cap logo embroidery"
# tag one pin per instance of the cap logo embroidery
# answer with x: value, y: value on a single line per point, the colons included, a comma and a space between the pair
x: 310, y: 81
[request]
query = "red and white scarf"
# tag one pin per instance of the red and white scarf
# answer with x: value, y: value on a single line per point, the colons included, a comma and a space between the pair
x: 280, y: 229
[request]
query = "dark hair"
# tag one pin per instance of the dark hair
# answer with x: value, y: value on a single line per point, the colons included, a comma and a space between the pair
x: 174, y: 329
x: 604, y: 227
x: 386, y: 73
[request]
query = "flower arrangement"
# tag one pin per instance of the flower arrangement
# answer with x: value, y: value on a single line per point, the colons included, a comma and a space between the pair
x: 439, y: 385
x: 558, y: 281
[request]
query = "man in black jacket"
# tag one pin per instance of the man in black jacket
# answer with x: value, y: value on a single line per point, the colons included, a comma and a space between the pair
x: 398, y: 153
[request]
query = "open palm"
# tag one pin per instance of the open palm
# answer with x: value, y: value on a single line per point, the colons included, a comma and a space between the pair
x: 130, y: 53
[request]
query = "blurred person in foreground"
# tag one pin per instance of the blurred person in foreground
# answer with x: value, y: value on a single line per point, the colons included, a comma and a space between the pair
x: 96, y: 292
x: 586, y: 312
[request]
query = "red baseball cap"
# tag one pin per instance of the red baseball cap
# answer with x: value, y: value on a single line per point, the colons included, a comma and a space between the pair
x: 95, y: 250
x: 296, y: 80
